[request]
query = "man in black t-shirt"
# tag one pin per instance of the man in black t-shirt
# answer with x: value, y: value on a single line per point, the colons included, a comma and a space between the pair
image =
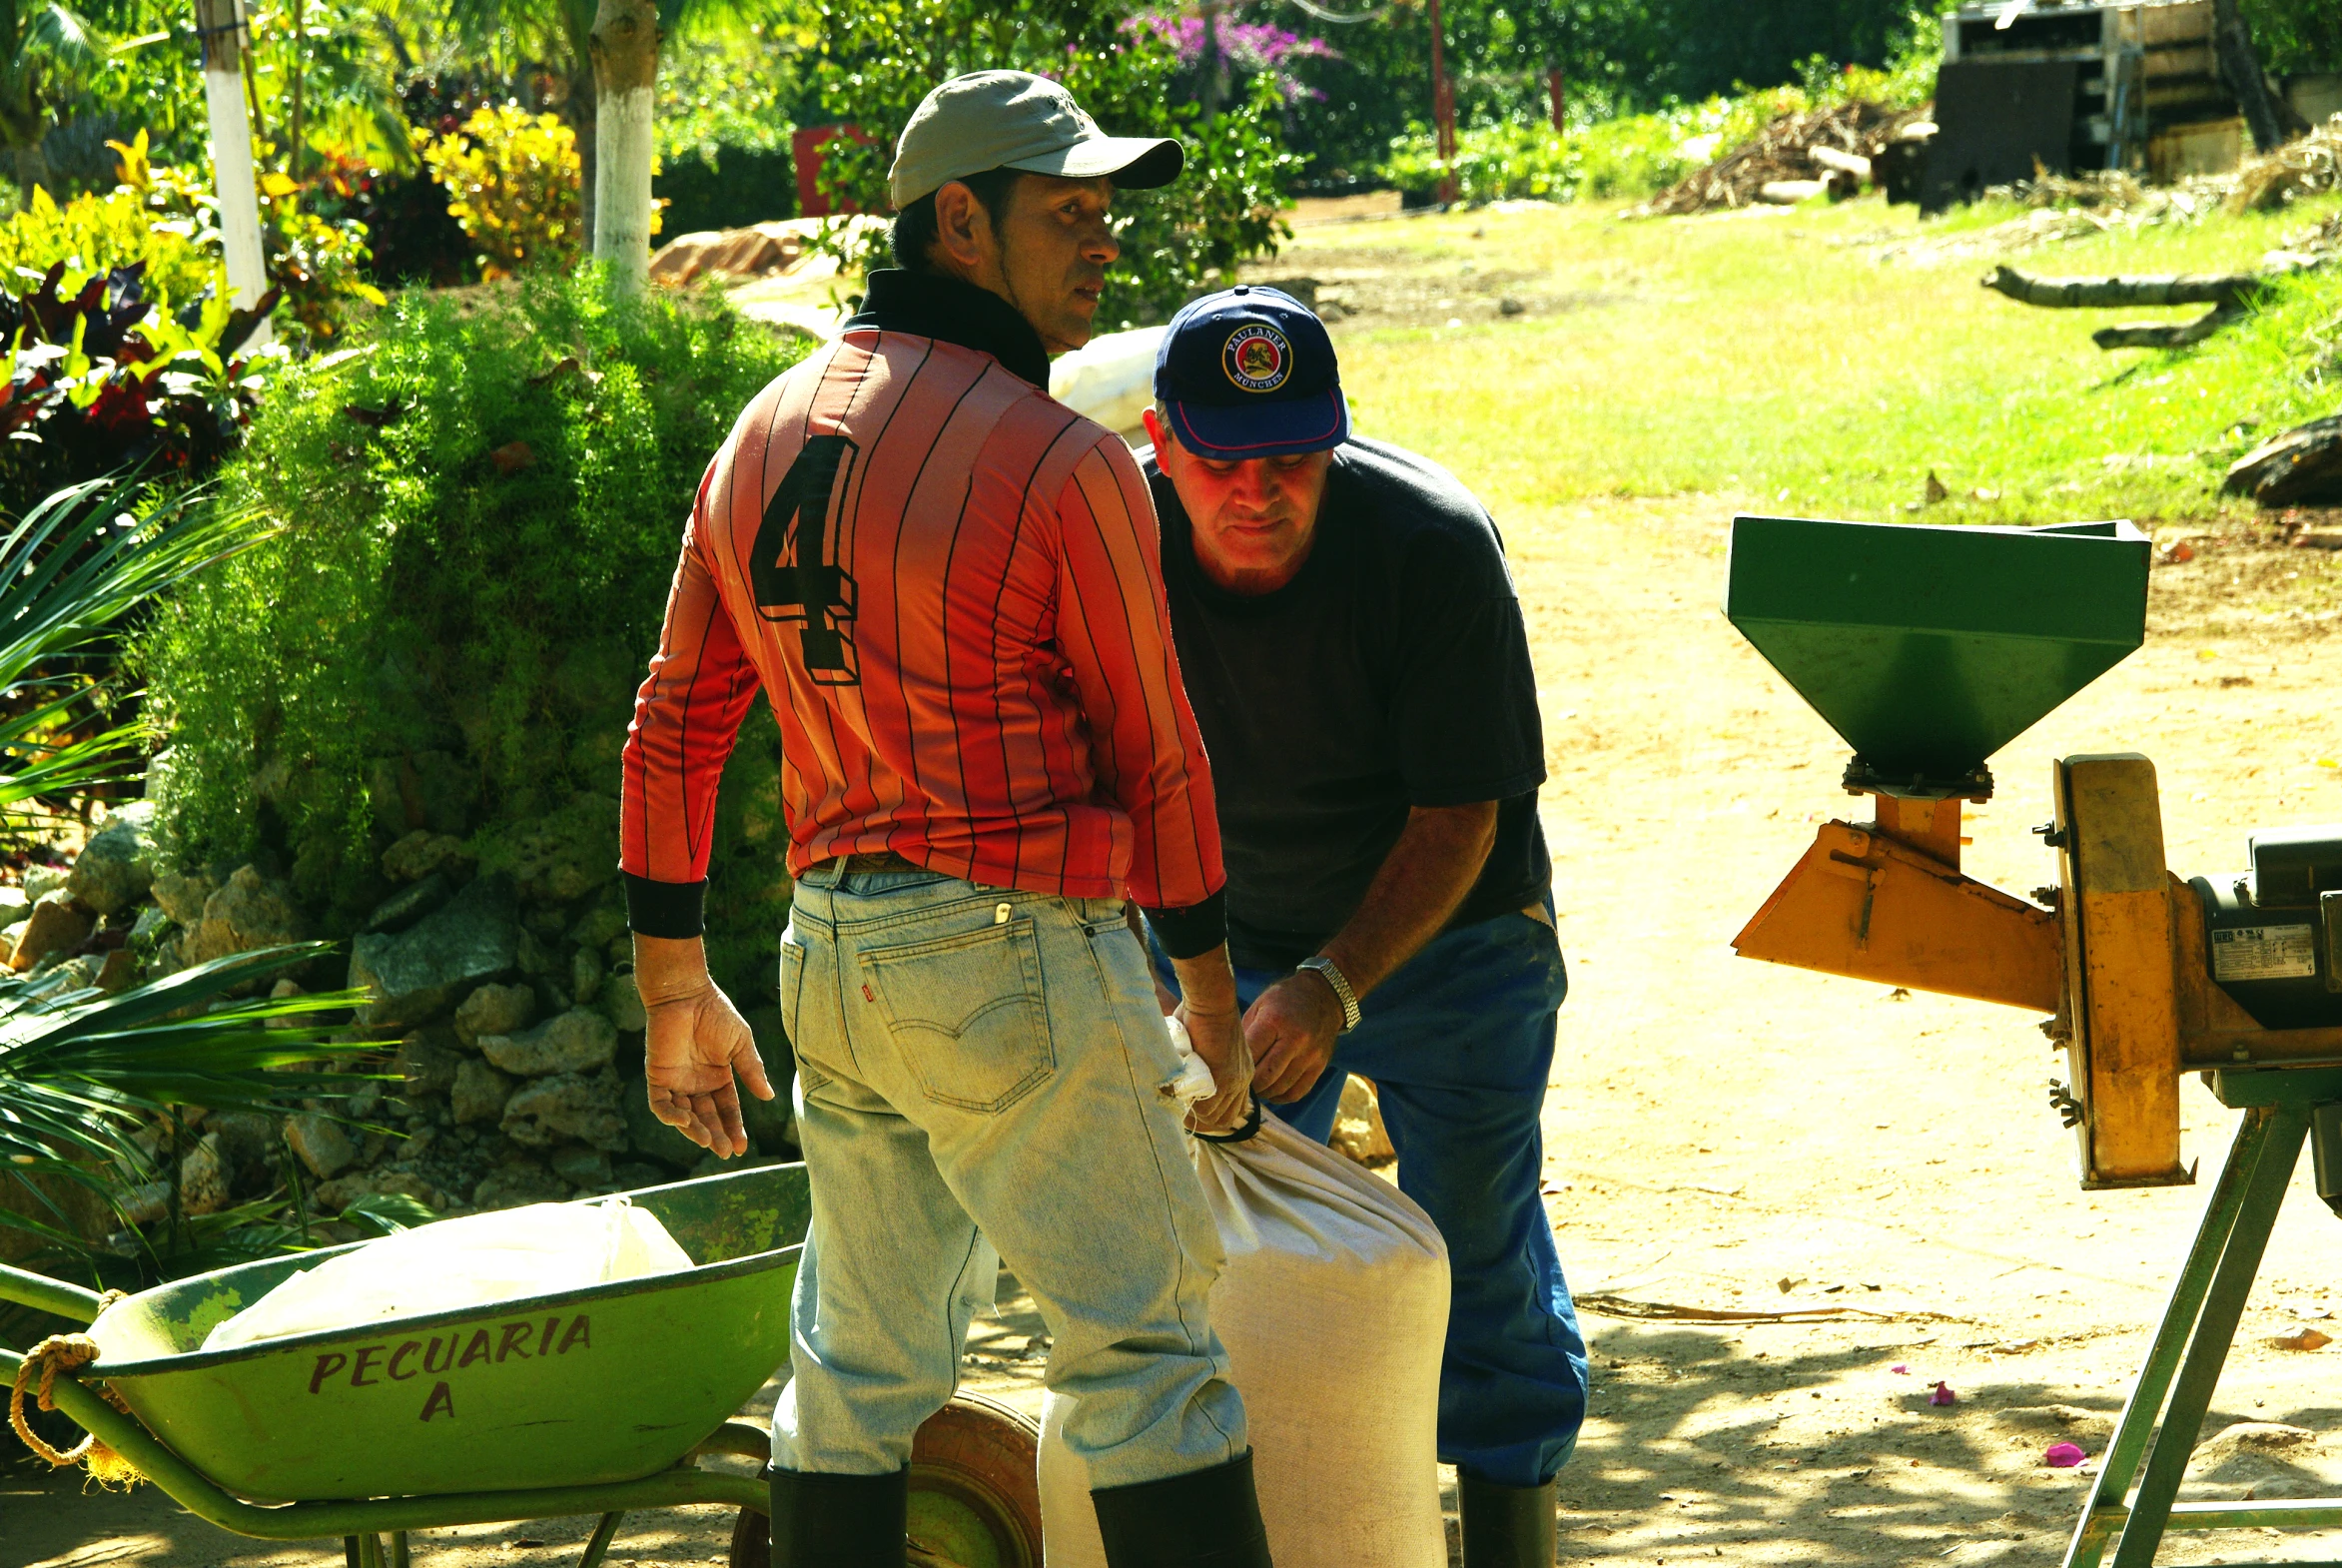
x: 1354, y: 652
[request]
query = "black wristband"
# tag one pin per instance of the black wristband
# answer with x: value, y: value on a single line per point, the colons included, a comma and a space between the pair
x: 1190, y: 931
x: 676, y: 910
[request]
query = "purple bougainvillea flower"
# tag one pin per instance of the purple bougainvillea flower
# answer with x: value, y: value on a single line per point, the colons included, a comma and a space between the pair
x: 1943, y: 1394
x: 2063, y: 1456
x: 1903, y: 1367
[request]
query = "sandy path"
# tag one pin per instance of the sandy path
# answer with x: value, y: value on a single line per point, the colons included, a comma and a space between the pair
x: 1717, y: 1127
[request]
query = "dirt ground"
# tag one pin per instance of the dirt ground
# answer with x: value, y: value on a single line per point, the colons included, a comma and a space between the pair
x: 1726, y: 1134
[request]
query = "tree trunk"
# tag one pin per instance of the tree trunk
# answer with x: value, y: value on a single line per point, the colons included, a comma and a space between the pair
x: 577, y: 111
x: 2240, y: 70
x: 625, y: 89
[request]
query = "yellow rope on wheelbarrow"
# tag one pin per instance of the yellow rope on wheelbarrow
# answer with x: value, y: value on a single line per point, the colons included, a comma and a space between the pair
x: 67, y: 1353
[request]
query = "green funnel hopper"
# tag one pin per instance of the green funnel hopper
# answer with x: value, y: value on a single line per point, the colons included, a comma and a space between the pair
x: 1931, y: 648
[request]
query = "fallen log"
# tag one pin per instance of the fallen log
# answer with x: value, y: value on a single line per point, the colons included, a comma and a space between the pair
x: 2302, y: 468
x: 1788, y: 193
x: 2167, y: 335
x: 2224, y: 289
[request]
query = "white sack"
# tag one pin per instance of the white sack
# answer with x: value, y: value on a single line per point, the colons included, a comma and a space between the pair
x: 471, y: 1261
x: 1109, y: 378
x: 1333, y: 1310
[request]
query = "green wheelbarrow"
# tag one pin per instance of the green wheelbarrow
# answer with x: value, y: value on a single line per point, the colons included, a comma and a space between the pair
x: 598, y: 1400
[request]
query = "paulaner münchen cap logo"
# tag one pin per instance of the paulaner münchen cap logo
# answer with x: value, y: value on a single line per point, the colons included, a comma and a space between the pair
x: 1257, y: 358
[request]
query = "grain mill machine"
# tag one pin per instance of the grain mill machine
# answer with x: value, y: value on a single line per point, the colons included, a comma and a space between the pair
x: 1927, y: 649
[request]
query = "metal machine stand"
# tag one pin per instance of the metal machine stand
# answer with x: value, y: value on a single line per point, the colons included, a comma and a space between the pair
x: 2174, y: 1389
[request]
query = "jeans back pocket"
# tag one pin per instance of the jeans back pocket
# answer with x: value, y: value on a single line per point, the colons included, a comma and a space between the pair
x: 967, y: 1013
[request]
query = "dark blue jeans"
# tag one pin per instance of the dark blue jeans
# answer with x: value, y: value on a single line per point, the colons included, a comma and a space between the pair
x: 1459, y: 1043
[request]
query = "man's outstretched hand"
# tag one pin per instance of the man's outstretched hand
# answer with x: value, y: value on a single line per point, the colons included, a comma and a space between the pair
x: 694, y: 1045
x: 1291, y: 1028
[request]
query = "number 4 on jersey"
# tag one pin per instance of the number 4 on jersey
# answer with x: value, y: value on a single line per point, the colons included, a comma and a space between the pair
x: 790, y: 570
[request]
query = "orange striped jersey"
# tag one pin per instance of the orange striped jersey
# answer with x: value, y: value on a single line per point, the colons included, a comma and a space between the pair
x: 950, y: 588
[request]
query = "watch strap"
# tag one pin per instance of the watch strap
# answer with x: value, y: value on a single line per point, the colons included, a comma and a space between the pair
x: 1332, y: 976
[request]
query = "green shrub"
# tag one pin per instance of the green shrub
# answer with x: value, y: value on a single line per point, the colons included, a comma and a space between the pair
x: 482, y: 504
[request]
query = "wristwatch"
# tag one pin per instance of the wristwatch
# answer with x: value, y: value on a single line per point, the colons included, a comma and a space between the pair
x: 1342, y: 989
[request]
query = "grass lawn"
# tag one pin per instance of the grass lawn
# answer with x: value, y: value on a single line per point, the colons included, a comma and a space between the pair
x: 1813, y: 360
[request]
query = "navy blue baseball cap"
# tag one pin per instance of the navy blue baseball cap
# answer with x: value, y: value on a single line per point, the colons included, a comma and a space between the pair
x: 1249, y: 373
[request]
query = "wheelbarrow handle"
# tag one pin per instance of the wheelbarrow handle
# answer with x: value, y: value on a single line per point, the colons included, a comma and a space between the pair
x: 49, y: 1295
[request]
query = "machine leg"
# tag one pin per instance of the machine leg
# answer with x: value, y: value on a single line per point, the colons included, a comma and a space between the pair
x: 2215, y: 1331
x: 2106, y: 1510
x: 399, y: 1557
x: 369, y: 1550
x: 350, y: 1551
x: 603, y: 1535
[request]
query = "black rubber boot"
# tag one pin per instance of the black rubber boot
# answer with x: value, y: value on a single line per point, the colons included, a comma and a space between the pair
x: 1505, y: 1526
x: 839, y: 1521
x: 1203, y: 1519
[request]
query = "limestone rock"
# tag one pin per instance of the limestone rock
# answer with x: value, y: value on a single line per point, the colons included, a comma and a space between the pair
x: 479, y: 1092
x: 581, y: 1166
x: 604, y: 921
x: 390, y: 1180
x: 118, y: 973
x: 116, y: 867
x: 585, y: 973
x: 15, y: 905
x: 579, y: 1040
x: 41, y: 880
x: 570, y: 852
x: 417, y: 972
x: 494, y: 1009
x: 205, y: 1178
x: 423, y: 854
x: 621, y: 1004
x: 566, y: 1107
x: 57, y: 924
x: 322, y: 1145
x: 410, y: 903
x: 249, y: 912
x: 429, y: 790
x: 515, y: 1183
x: 428, y: 1065
x: 182, y: 898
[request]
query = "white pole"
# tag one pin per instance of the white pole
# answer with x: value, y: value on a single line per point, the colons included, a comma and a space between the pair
x: 221, y: 24
x: 621, y: 186
x: 625, y: 87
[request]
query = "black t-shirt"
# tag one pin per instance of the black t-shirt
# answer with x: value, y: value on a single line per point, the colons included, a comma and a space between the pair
x: 1392, y: 671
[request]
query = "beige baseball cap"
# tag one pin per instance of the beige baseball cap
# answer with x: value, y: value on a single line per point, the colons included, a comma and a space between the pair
x: 1015, y: 120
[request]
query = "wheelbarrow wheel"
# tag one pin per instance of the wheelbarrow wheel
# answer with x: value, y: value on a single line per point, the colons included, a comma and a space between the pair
x: 975, y: 1492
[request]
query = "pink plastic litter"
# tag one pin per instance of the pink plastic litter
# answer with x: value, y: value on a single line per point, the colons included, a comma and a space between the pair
x: 1943, y: 1395
x: 2063, y: 1456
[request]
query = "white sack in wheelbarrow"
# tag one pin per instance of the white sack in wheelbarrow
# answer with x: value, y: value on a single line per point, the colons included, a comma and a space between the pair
x: 1333, y: 1310
x: 472, y: 1261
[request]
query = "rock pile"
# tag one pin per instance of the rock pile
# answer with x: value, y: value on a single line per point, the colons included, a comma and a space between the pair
x: 502, y: 996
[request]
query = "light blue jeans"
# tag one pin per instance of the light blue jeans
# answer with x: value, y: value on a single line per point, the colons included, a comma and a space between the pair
x: 979, y: 1067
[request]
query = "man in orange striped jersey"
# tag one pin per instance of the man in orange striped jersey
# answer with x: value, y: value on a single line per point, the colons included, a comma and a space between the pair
x: 950, y: 588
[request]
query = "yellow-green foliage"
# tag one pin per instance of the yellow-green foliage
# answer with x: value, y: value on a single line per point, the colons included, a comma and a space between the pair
x: 513, y: 182
x: 96, y: 233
